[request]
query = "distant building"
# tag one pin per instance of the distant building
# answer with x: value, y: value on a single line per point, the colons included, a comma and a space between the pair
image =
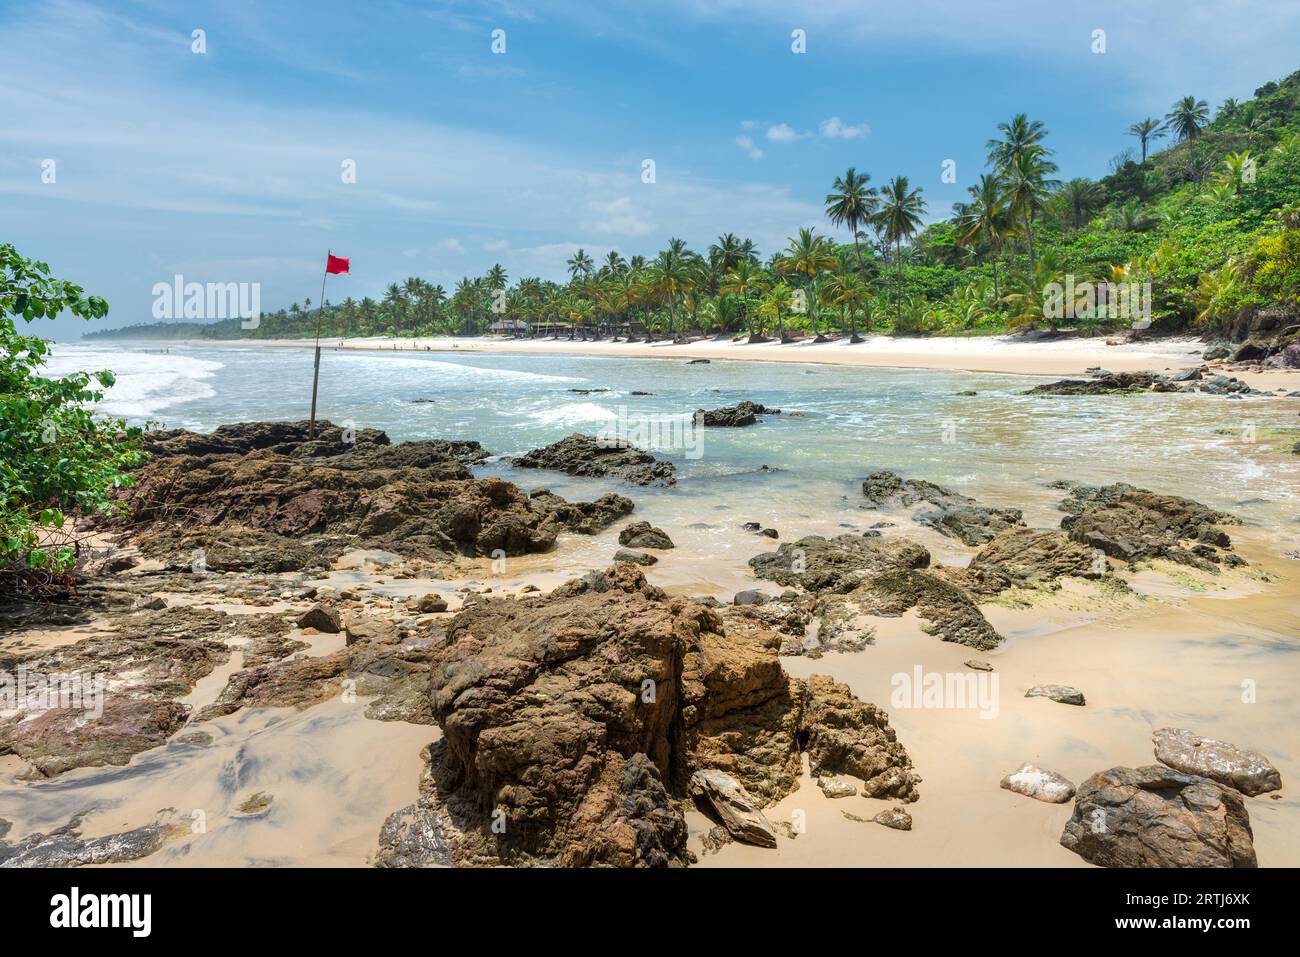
x: 508, y: 327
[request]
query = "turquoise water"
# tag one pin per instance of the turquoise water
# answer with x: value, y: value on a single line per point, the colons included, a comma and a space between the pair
x: 998, y: 445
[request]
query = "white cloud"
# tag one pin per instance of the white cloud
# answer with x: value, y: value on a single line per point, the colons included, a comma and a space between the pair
x: 496, y: 245
x: 746, y: 143
x: 449, y: 246
x: 834, y: 128
x: 783, y: 133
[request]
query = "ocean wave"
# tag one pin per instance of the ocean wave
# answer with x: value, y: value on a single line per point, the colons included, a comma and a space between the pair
x: 147, y: 382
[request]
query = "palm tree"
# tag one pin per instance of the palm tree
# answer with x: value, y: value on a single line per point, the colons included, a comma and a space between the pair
x: 807, y: 255
x: 671, y: 276
x: 852, y: 203
x: 726, y: 252
x: 1019, y: 137
x: 901, y: 209
x: 1188, y: 116
x: 1147, y: 130
x: 1028, y: 189
x: 496, y: 277
x: 741, y: 282
x: 579, y: 264
x: 986, y: 220
x: 776, y: 304
x: 1083, y: 197
x: 614, y: 263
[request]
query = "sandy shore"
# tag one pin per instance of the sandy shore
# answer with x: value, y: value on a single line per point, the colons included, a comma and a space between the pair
x: 1005, y: 354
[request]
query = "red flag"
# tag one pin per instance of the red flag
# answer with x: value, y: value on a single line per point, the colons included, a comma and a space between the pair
x: 336, y: 264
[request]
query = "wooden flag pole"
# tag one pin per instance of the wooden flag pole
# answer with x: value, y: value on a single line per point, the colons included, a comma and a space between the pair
x: 315, y: 372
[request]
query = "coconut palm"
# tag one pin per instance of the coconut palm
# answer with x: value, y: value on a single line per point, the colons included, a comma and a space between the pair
x: 807, y: 255
x: 1147, y: 130
x: 579, y: 264
x: 614, y: 263
x: 1020, y: 136
x: 1083, y: 197
x: 742, y: 282
x: 726, y: 252
x: 1188, y: 116
x: 986, y: 220
x: 852, y: 203
x: 901, y: 209
x: 1028, y: 188
x: 671, y: 274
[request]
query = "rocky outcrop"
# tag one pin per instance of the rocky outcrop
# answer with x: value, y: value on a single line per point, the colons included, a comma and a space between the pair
x: 837, y: 564
x: 261, y: 496
x: 1248, y: 771
x: 1155, y: 817
x: 972, y: 524
x: 644, y: 535
x: 1132, y: 523
x: 1109, y: 383
x: 574, y: 723
x: 104, y: 699
x: 1029, y: 558
x: 859, y: 577
x: 886, y: 489
x: 588, y: 457
x: 66, y: 847
x: 741, y: 414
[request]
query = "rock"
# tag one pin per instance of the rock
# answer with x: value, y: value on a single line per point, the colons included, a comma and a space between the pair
x: 431, y: 603
x: 769, y: 533
x: 1190, y: 374
x: 737, y: 809
x: 1219, y: 349
x: 894, y: 817
x: 976, y: 665
x: 1250, y: 351
x: 698, y: 362
x: 751, y: 596
x: 1107, y: 383
x: 741, y: 414
x: 1155, y: 817
x: 1063, y: 694
x: 972, y: 524
x: 835, y: 788
x: 1133, y: 524
x: 118, y: 563
x: 577, y: 721
x: 260, y: 496
x: 638, y: 558
x: 643, y: 535
x: 839, y: 563
x: 256, y: 805
x: 1028, y: 558
x: 585, y: 518
x: 848, y: 736
x: 65, y: 847
x: 322, y: 618
x: 1032, y: 781
x: 1248, y: 771
x: 150, y: 603
x: 588, y: 457
x: 887, y: 489
x: 949, y: 611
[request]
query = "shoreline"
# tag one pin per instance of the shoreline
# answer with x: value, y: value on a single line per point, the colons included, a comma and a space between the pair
x: 1007, y: 355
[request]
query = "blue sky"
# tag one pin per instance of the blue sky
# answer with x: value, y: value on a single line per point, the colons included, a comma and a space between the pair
x: 226, y: 166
